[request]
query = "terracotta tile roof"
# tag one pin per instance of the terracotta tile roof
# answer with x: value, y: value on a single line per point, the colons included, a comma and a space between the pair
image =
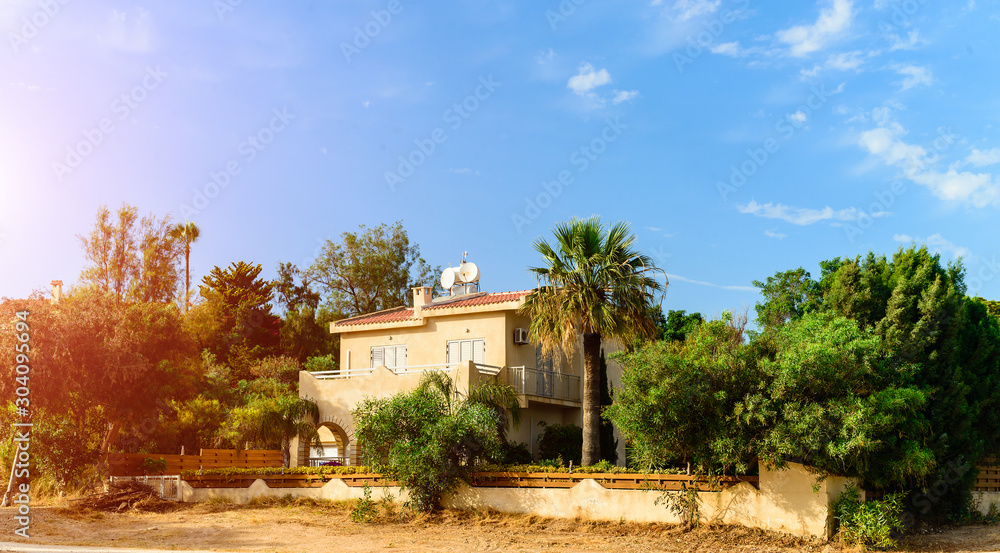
x: 401, y: 313
x: 484, y: 299
x: 388, y: 316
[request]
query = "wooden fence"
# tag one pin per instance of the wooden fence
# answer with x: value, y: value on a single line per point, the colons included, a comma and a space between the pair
x: 486, y: 480
x: 286, y: 480
x: 130, y: 464
x: 988, y: 479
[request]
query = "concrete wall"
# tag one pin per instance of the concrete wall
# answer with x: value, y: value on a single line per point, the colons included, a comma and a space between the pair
x: 786, y: 501
x: 983, y: 500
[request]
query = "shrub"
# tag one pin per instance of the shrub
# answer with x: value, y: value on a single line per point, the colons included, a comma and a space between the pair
x: 321, y: 363
x: 429, y: 441
x: 516, y: 454
x: 868, y: 523
x: 561, y: 440
x: 364, y: 509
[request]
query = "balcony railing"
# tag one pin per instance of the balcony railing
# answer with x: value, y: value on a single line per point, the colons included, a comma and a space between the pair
x: 408, y: 369
x: 543, y: 383
x: 525, y: 380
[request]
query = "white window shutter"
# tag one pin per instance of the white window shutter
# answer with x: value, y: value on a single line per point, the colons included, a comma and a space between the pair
x: 390, y: 357
x: 377, y: 356
x: 479, y: 351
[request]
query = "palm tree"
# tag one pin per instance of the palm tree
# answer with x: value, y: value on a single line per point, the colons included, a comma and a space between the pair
x: 188, y: 233
x: 501, y: 399
x: 595, y: 284
x: 289, y: 417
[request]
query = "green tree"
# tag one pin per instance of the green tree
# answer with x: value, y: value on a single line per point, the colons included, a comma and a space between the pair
x: 677, y: 325
x: 677, y: 402
x: 237, y: 306
x: 187, y: 233
x: 431, y: 439
x: 596, y: 284
x: 787, y: 296
x: 305, y: 331
x: 132, y: 259
x: 370, y: 270
x: 609, y: 445
x: 917, y: 308
x: 272, y: 421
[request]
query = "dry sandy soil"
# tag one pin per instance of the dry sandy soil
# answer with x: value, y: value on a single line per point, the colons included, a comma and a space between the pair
x: 306, y: 526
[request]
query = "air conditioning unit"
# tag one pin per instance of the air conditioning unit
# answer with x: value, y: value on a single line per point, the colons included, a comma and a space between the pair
x: 521, y: 336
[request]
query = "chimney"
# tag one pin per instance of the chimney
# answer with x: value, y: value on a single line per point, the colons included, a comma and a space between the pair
x: 56, y: 291
x: 421, y: 297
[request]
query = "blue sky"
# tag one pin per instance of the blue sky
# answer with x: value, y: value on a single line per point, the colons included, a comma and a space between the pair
x: 738, y: 137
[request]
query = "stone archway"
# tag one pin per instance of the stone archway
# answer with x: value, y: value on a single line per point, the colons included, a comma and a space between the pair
x: 338, y: 442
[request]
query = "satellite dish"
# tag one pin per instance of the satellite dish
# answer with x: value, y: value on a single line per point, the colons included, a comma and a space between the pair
x: 448, y: 278
x: 468, y: 273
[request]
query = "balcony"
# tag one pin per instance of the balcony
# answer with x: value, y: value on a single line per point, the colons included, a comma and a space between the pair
x: 538, y: 385
x: 544, y: 384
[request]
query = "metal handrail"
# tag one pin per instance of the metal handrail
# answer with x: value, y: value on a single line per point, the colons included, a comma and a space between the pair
x: 544, y: 383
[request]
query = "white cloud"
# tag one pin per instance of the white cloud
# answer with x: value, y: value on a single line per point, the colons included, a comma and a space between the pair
x: 703, y: 283
x: 912, y: 41
x: 730, y: 49
x: 834, y: 21
x: 684, y: 10
x: 29, y: 87
x: 915, y: 75
x: 624, y: 96
x: 463, y: 171
x: 798, y: 117
x: 938, y: 244
x: 985, y: 158
x: 545, y: 57
x: 773, y: 233
x: 916, y: 164
x: 801, y: 215
x: 653, y: 229
x: 587, y: 79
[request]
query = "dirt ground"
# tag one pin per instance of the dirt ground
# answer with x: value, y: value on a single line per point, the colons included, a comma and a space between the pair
x: 309, y: 526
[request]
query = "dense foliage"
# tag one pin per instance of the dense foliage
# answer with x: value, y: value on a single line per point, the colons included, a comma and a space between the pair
x: 882, y: 369
x: 431, y: 439
x: 370, y: 270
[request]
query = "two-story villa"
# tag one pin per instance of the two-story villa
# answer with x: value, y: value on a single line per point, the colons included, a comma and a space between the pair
x: 472, y: 336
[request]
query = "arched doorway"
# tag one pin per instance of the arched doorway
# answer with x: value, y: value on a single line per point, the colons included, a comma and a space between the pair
x: 331, y: 448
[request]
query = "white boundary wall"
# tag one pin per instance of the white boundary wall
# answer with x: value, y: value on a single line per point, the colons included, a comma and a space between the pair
x: 786, y: 501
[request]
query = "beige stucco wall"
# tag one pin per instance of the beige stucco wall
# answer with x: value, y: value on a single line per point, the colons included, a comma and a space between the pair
x: 426, y: 344
x: 334, y: 490
x: 786, y: 501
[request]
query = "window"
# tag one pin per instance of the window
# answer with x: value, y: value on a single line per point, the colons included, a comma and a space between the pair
x: 390, y: 356
x: 466, y: 350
